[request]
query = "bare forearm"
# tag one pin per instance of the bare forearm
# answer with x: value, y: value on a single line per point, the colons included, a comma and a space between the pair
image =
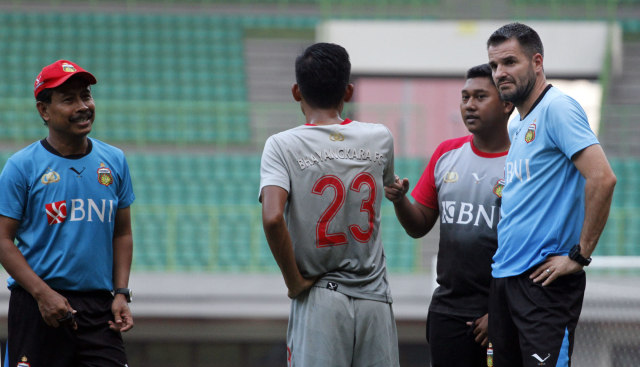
x: 16, y: 265
x: 122, y: 257
x: 412, y: 219
x: 14, y: 262
x: 598, y: 196
x: 282, y: 250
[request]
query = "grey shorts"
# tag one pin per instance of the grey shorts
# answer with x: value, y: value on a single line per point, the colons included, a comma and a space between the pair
x: 328, y: 328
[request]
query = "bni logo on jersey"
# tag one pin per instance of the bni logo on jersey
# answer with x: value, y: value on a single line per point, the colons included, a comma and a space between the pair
x: 56, y: 212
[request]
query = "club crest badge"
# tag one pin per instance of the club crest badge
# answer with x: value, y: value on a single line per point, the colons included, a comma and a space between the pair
x: 104, y: 175
x: 531, y: 133
x: 497, y: 188
x: 23, y: 362
x: 50, y: 177
x: 68, y: 68
x: 336, y: 136
x: 451, y: 177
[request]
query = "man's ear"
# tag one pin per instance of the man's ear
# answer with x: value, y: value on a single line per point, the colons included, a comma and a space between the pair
x: 348, y: 93
x: 43, y: 109
x: 537, y: 63
x: 295, y: 92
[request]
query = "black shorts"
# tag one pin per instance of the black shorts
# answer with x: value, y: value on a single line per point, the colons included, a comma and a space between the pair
x: 452, y: 342
x: 92, y: 344
x: 532, y: 325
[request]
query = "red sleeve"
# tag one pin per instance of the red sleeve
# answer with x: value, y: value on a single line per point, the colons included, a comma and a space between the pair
x: 425, y: 191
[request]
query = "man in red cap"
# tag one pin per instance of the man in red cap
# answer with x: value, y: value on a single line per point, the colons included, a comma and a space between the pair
x: 65, y: 234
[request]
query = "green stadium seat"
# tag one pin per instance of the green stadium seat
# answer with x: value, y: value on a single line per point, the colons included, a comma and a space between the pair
x: 150, y: 250
x: 193, y: 250
x: 612, y: 237
x: 160, y: 64
x: 400, y: 249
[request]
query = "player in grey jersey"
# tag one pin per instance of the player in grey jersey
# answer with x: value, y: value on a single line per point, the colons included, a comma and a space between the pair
x: 461, y: 186
x: 321, y: 187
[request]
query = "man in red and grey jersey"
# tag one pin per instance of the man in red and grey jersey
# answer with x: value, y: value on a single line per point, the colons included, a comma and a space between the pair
x: 462, y: 187
x: 321, y: 187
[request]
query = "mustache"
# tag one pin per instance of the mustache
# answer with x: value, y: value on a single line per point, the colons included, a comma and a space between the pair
x: 504, y: 79
x: 81, y: 117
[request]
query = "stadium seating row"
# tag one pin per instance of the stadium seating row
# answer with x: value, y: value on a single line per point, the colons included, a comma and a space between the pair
x: 221, y: 179
x: 140, y: 121
x: 376, y: 3
x: 325, y: 3
x: 575, y: 2
x: 230, y: 239
x: 174, y: 78
x: 163, y: 78
x: 164, y: 179
x: 627, y: 191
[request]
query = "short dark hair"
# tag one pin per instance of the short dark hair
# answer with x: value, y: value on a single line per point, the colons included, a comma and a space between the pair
x: 480, y: 71
x: 322, y: 74
x: 525, y: 35
x: 45, y: 95
x: 484, y: 71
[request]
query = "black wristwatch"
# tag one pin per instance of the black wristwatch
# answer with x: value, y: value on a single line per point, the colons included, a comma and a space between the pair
x: 128, y: 294
x: 576, y: 256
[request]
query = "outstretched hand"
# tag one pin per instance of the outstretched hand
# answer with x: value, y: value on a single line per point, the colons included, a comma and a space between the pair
x: 397, y: 191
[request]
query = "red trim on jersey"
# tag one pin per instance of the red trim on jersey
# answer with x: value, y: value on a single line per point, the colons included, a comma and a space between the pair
x: 346, y: 121
x: 425, y: 191
x: 485, y: 154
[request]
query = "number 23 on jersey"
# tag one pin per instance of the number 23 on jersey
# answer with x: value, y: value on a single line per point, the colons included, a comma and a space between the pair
x: 326, y: 239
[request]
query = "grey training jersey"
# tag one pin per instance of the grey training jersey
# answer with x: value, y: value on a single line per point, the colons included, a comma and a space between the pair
x: 465, y: 186
x: 335, y: 176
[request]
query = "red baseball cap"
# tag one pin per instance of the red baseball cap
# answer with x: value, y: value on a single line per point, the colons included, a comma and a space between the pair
x: 57, y: 73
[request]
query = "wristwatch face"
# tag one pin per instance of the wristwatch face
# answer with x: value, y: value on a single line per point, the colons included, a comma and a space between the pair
x: 128, y: 294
